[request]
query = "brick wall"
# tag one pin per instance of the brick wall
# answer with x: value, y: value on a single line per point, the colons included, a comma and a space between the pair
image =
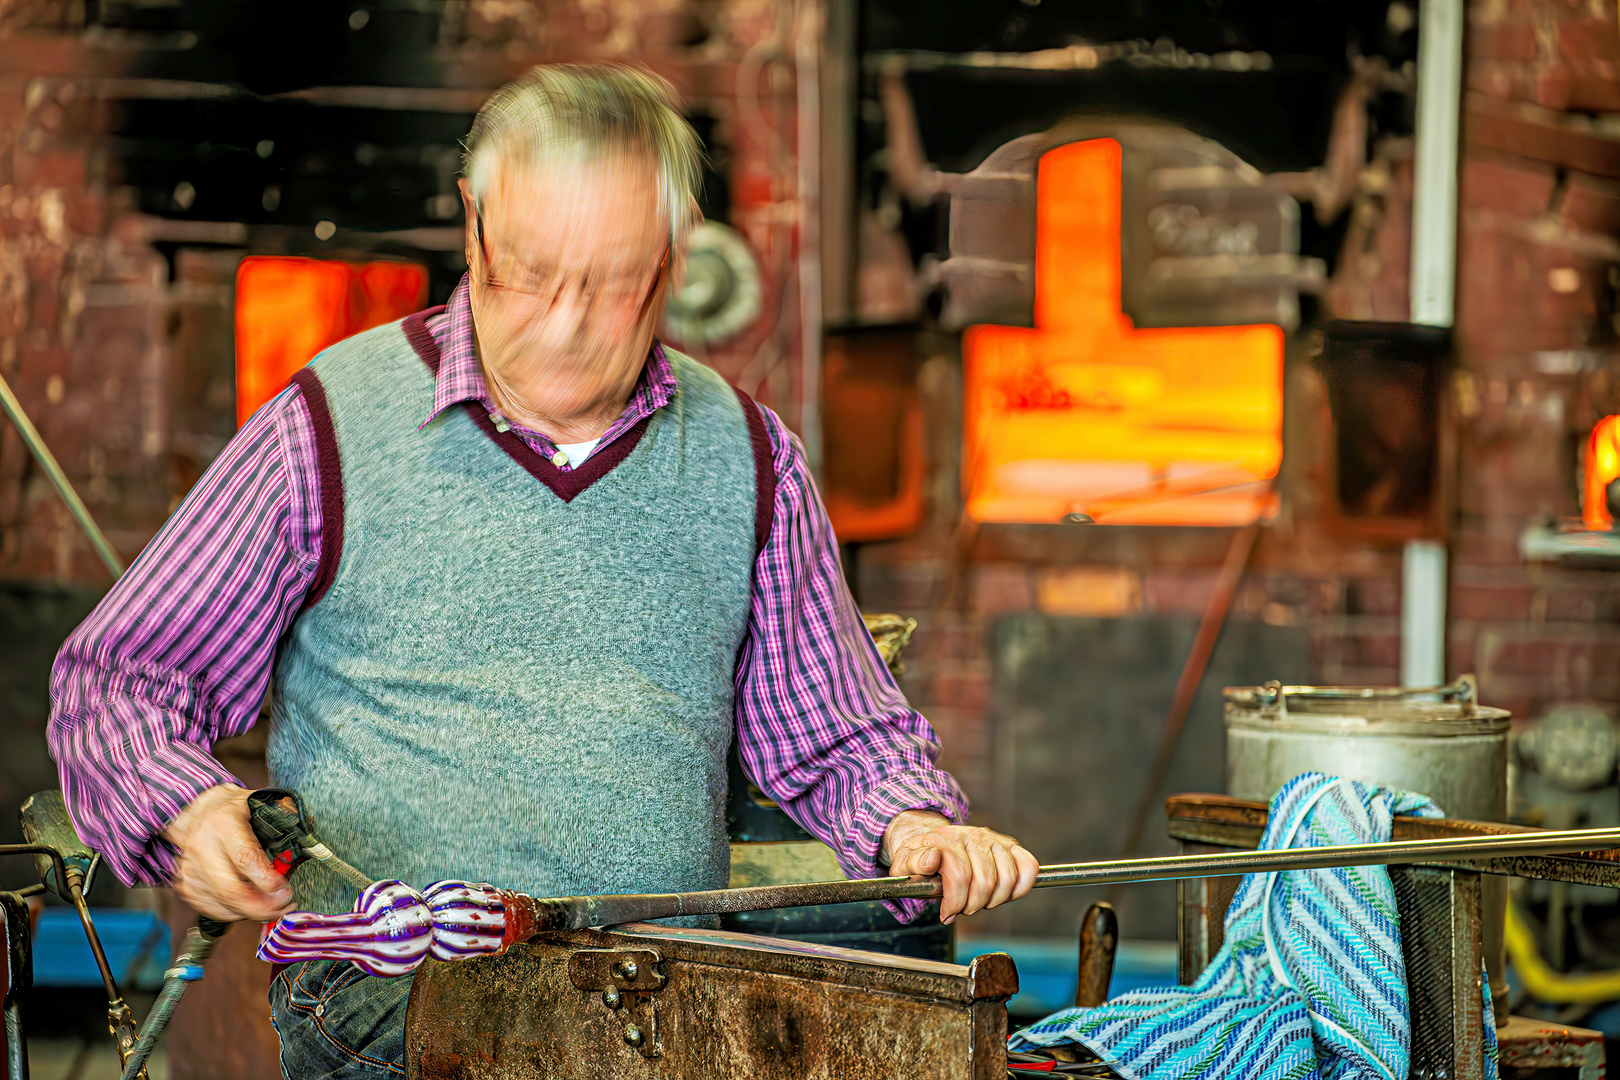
x: 123, y: 356
x: 1537, y: 364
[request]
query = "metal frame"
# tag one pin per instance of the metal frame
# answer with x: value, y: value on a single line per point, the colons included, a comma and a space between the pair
x: 1440, y: 911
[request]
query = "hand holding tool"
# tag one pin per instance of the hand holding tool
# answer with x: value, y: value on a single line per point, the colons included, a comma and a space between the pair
x: 284, y: 831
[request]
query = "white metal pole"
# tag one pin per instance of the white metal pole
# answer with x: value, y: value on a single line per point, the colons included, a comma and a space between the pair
x: 1423, y: 613
x: 1433, y: 302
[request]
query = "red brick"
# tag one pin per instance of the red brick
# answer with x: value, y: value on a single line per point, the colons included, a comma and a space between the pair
x: 1551, y: 661
x: 964, y: 734
x: 1460, y: 646
x: 1502, y: 41
x: 1474, y: 543
x: 1505, y: 305
x: 1000, y: 587
x: 1574, y: 601
x: 898, y: 587
x: 1489, y: 603
x: 947, y: 638
x: 1373, y: 596
x: 1171, y: 591
x: 1326, y: 597
x: 1591, y: 204
x: 1581, y: 41
x: 1572, y: 90
x: 1519, y: 189
x: 962, y: 686
x: 1371, y: 650
x: 1387, y: 675
x: 1507, y: 81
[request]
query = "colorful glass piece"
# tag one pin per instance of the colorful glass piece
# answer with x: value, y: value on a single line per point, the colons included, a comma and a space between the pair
x: 392, y: 928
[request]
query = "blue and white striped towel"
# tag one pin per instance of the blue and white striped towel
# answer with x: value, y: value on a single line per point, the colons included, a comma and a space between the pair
x: 1309, y: 983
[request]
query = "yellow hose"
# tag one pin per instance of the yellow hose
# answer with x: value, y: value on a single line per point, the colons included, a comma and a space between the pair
x: 1554, y: 987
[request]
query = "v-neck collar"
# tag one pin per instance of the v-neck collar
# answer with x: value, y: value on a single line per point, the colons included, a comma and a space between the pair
x: 564, y: 483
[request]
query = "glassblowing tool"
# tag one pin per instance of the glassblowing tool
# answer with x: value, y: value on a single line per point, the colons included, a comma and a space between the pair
x: 393, y: 927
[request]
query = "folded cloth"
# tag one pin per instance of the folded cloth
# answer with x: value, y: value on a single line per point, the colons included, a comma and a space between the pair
x: 1309, y: 983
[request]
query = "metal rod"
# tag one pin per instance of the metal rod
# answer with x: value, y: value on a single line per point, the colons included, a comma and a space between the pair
x: 90, y: 934
x: 1238, y: 554
x: 186, y: 969
x: 321, y: 853
x: 39, y: 849
x: 47, y: 461
x: 579, y: 912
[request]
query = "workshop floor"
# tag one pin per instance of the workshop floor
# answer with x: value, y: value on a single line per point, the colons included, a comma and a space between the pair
x: 71, y: 1059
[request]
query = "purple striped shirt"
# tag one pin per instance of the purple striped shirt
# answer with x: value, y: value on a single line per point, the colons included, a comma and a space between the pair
x: 178, y: 655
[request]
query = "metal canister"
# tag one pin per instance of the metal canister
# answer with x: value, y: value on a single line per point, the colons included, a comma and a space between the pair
x: 1439, y: 742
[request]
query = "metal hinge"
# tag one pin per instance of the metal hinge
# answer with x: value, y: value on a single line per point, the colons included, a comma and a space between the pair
x: 627, y: 979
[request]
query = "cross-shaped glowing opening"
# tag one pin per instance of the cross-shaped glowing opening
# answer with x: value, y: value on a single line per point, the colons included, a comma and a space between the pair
x: 1087, y: 414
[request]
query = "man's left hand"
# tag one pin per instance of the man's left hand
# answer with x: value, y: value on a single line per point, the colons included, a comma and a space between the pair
x: 979, y: 868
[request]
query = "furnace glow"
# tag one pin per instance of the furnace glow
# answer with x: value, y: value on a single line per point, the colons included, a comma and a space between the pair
x: 1601, y: 466
x: 1085, y: 413
x: 288, y: 309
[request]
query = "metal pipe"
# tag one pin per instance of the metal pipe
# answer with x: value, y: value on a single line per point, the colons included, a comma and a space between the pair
x: 1238, y: 553
x: 808, y: 27
x: 90, y: 934
x: 47, y: 461
x: 1433, y: 292
x: 186, y: 969
x: 580, y: 912
x: 119, y: 1018
x: 38, y: 849
x: 1423, y: 613
x: 1434, y: 188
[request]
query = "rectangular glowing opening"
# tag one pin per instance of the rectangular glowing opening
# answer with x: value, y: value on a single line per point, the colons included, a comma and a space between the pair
x: 288, y: 309
x: 1085, y: 414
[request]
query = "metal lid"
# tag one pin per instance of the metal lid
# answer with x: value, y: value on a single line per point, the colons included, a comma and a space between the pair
x: 1435, y: 711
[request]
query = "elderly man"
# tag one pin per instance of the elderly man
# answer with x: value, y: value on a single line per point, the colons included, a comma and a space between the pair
x: 517, y: 575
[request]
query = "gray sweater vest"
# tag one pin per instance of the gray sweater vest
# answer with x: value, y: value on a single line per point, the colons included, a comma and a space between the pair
x: 500, y: 684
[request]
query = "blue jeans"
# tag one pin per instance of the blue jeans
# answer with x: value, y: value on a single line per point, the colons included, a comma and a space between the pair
x: 338, y: 1023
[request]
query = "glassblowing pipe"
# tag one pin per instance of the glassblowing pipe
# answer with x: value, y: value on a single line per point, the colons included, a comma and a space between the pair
x: 393, y: 927
x: 53, y: 472
x: 579, y: 912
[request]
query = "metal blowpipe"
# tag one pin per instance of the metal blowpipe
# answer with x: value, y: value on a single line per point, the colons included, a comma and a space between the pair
x: 580, y: 912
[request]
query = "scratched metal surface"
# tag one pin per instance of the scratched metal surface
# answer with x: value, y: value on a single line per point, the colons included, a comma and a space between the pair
x: 732, y: 1006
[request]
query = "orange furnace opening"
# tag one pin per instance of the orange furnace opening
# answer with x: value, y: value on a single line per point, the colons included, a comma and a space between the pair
x: 289, y: 308
x: 1087, y: 414
x: 1600, y: 466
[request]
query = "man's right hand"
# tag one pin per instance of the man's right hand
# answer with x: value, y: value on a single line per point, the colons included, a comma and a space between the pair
x: 223, y: 872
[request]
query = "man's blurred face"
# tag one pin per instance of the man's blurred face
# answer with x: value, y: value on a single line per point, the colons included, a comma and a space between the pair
x: 569, y: 271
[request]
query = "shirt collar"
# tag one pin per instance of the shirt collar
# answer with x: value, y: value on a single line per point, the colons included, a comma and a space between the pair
x: 461, y: 377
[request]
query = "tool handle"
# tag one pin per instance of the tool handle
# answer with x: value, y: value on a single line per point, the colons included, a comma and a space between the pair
x: 281, y: 825
x: 45, y: 821
x: 186, y: 969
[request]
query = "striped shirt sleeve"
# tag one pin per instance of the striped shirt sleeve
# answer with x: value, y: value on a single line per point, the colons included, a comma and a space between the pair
x: 822, y: 727
x: 178, y: 654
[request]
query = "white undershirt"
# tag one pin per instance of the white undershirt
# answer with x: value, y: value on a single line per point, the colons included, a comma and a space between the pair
x: 579, y: 451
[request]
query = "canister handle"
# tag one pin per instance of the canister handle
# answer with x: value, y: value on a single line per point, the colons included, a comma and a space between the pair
x: 1465, y: 692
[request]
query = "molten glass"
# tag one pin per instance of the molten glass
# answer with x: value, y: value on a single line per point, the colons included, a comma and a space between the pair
x: 1087, y: 414
x: 393, y: 928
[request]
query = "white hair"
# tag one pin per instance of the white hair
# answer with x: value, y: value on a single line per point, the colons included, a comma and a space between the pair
x: 568, y: 111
